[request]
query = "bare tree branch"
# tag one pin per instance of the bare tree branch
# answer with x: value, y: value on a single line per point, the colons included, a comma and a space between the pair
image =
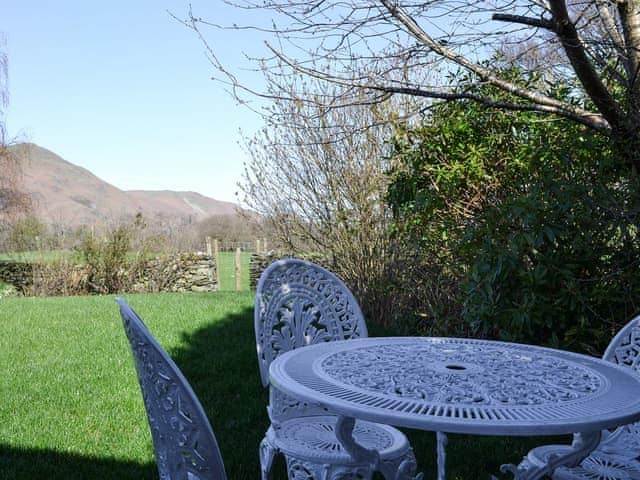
x: 532, y: 22
x: 14, y: 201
x: 546, y: 105
x: 407, y: 48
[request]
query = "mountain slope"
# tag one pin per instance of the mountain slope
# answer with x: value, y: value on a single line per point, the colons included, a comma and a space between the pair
x: 67, y: 194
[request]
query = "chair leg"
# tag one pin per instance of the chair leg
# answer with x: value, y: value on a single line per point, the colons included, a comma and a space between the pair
x: 267, y: 454
x: 442, y: 441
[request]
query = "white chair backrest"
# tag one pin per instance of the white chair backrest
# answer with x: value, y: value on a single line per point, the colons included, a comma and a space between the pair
x: 300, y: 303
x: 183, y: 440
x: 624, y: 348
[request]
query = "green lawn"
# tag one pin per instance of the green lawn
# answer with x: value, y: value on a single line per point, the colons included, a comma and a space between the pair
x: 71, y: 407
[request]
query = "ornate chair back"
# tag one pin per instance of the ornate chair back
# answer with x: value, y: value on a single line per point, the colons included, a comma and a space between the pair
x: 624, y: 348
x: 615, y: 457
x: 183, y: 440
x: 300, y: 303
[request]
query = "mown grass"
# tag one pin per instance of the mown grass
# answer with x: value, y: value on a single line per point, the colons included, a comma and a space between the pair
x: 71, y: 406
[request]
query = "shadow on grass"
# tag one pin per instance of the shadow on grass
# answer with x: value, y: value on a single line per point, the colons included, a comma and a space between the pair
x: 220, y: 362
x: 19, y: 464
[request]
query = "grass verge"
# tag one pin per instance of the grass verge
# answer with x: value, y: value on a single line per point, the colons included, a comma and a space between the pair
x: 37, y: 256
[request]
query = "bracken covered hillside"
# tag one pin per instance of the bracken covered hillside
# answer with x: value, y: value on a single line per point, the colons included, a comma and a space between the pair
x: 67, y: 194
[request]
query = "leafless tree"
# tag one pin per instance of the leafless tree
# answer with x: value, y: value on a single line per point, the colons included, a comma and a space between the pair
x: 400, y: 47
x: 321, y: 189
x: 14, y: 201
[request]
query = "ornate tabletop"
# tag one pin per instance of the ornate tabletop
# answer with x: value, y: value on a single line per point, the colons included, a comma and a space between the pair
x: 461, y: 385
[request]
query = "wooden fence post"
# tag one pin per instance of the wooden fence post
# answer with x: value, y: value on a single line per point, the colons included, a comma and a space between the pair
x: 216, y: 255
x: 210, y: 255
x: 209, y: 248
x: 238, y: 270
x: 264, y: 245
x: 258, y: 251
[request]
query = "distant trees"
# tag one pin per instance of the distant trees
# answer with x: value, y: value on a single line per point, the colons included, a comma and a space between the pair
x: 230, y: 229
x: 26, y: 234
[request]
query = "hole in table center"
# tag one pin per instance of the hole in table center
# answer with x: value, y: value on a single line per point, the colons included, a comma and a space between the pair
x: 455, y: 367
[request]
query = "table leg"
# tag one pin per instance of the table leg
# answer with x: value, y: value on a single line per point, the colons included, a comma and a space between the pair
x: 442, y: 440
x: 534, y: 467
x: 344, y: 434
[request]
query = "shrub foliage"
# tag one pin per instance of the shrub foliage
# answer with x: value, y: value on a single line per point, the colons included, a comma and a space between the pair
x: 524, y: 229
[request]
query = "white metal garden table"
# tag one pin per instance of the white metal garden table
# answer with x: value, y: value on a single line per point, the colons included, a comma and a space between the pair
x: 469, y: 386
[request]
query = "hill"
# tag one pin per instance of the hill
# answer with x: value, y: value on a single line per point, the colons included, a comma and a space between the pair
x: 66, y: 194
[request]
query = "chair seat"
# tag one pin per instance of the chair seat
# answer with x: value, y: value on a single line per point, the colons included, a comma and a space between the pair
x: 598, y: 465
x: 314, y: 438
x: 624, y: 441
x: 601, y: 466
x: 617, y: 456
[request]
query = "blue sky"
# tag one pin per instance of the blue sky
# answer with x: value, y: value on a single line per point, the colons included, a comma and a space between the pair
x: 124, y: 90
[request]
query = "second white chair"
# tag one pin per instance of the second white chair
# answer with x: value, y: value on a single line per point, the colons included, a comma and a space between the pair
x: 617, y: 456
x: 300, y: 303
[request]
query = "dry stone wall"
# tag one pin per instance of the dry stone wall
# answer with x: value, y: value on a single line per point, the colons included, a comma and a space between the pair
x: 257, y: 264
x: 184, y: 272
x: 20, y: 275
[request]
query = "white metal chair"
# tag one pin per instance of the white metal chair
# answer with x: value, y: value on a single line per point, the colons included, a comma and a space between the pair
x: 183, y: 440
x: 300, y: 303
x: 617, y: 456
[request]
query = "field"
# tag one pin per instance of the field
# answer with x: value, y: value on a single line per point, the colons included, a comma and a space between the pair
x: 37, y: 256
x: 71, y: 407
x: 227, y: 271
